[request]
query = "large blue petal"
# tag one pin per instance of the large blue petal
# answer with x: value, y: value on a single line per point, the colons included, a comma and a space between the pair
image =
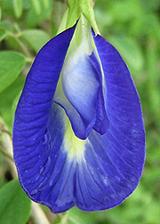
x: 114, y: 161
x: 39, y: 127
x: 60, y: 170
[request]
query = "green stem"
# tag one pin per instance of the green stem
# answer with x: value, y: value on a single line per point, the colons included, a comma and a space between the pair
x: 3, y: 130
x: 64, y: 219
x: 3, y: 152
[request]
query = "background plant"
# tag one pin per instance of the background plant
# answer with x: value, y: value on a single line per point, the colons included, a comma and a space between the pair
x: 134, y: 28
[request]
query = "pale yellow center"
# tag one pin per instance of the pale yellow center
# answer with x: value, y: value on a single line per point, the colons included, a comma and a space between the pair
x: 75, y: 147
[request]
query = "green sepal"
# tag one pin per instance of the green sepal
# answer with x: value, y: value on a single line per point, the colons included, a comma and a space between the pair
x: 74, y: 11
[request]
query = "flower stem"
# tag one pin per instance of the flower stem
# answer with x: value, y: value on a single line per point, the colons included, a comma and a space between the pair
x: 5, y: 153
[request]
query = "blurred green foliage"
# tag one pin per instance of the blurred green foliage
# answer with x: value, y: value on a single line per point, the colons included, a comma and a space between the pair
x: 133, y: 26
x: 14, y: 204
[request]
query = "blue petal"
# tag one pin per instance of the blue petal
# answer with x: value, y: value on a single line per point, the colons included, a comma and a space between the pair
x: 114, y: 161
x: 60, y: 170
x: 102, y: 123
x: 39, y: 128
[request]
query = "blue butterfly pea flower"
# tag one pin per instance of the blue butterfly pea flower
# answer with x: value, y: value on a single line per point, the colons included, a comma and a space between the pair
x: 78, y: 132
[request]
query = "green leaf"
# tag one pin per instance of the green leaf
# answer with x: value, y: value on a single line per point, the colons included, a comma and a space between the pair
x: 33, y: 19
x: 7, y: 26
x: 0, y: 13
x: 35, y: 38
x: 18, y: 6
x: 8, y: 100
x: 14, y: 204
x: 11, y: 64
x: 46, y: 3
x: 2, y: 34
x: 37, y: 6
x: 4, y: 29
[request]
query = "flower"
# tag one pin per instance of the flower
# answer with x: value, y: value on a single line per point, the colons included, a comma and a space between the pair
x: 78, y: 131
